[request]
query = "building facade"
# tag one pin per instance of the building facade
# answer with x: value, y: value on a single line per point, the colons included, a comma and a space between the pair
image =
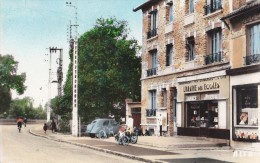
x: 244, y: 25
x: 185, y: 55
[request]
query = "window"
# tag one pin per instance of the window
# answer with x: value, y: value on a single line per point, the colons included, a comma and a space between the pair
x: 169, y: 55
x: 169, y: 13
x: 152, y: 24
x: 214, y: 49
x: 153, y: 99
x: 247, y: 106
x: 152, y: 110
x: 254, y: 48
x: 153, y: 65
x: 164, y: 96
x: 190, y: 46
x: 212, y: 6
x: 189, y: 6
x: 202, y: 114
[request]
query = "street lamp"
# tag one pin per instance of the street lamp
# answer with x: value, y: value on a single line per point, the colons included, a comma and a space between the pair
x: 75, y: 117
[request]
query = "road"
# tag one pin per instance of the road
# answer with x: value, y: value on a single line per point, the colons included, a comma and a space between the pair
x: 23, y: 147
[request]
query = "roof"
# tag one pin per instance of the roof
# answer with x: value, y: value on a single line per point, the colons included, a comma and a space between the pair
x: 145, y: 4
x: 242, y: 10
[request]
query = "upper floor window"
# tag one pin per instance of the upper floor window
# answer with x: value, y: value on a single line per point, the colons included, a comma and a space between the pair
x: 152, y: 24
x: 154, y: 58
x: 212, y: 6
x: 189, y: 6
x: 169, y: 12
x: 153, y: 99
x: 214, y: 46
x: 190, y: 47
x: 153, y: 63
x: 253, y: 55
x: 169, y: 55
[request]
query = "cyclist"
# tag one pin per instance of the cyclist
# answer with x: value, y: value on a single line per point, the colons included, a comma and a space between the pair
x: 19, y: 123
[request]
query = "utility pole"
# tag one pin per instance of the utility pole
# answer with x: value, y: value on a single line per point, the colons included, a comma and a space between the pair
x: 59, y: 69
x: 75, y: 116
x: 59, y: 78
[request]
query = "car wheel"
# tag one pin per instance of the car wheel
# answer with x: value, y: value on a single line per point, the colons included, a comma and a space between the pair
x: 92, y: 135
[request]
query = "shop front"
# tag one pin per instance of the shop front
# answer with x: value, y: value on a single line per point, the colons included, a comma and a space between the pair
x: 202, y: 108
x: 245, y: 94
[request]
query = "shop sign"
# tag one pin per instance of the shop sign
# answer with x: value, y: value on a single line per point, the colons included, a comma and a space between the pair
x: 201, y: 87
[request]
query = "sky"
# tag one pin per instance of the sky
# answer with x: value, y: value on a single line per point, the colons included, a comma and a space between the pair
x: 29, y: 27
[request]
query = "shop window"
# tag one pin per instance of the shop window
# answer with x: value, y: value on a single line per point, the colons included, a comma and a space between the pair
x: 253, y: 36
x: 202, y: 114
x: 152, y: 63
x: 169, y: 55
x: 169, y: 12
x: 190, y: 46
x: 152, y: 24
x: 214, y: 46
x: 247, y: 106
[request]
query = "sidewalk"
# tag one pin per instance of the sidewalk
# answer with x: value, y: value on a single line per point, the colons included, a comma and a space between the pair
x: 188, y: 146
x: 162, y: 142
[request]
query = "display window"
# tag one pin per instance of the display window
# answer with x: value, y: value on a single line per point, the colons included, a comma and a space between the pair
x: 247, y: 106
x: 202, y: 114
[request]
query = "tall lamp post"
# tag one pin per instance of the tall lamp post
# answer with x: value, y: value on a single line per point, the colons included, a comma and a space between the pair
x: 75, y: 116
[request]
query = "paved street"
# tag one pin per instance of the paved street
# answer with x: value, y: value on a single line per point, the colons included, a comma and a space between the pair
x: 37, y: 146
x: 26, y: 148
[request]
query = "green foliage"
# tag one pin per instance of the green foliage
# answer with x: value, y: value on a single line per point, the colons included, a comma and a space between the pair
x: 8, y: 74
x: 109, y: 72
x: 24, y: 108
x: 9, y: 79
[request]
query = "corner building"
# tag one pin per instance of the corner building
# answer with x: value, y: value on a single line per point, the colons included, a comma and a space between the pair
x: 185, y: 55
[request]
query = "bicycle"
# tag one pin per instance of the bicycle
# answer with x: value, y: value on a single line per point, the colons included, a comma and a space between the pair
x: 125, y: 138
x: 19, y: 124
x: 105, y: 132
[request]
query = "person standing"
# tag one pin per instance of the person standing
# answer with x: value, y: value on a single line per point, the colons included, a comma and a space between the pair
x: 25, y: 121
x: 45, y: 127
x: 53, y: 126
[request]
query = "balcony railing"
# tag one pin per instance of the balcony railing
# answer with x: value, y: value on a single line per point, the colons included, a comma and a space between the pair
x: 151, y: 72
x: 213, y: 7
x: 150, y: 112
x: 251, y: 59
x: 152, y: 33
x: 212, y: 58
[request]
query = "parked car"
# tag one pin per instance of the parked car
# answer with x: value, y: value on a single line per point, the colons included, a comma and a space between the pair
x: 108, y: 125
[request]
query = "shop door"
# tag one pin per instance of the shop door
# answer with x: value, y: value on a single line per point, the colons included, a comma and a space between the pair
x: 137, y: 119
x: 202, y: 116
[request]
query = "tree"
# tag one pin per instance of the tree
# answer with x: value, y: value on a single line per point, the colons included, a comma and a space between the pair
x: 24, y: 107
x: 9, y: 79
x: 109, y: 70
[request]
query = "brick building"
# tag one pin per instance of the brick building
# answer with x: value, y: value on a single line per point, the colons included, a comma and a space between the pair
x: 244, y: 26
x: 185, y: 55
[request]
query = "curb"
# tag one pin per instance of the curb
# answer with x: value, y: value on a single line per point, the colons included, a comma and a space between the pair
x: 97, y: 149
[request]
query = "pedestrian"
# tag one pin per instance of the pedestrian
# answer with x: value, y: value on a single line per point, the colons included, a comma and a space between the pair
x: 53, y: 126
x: 25, y: 121
x: 45, y: 127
